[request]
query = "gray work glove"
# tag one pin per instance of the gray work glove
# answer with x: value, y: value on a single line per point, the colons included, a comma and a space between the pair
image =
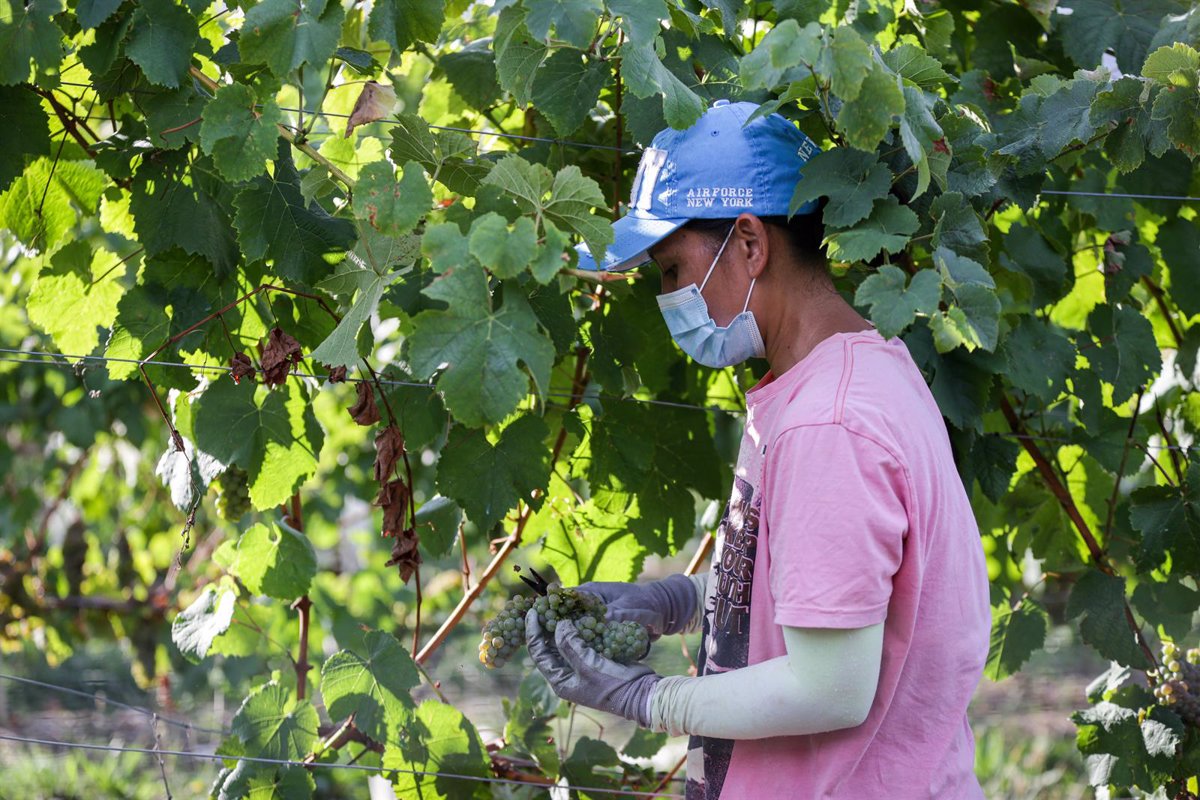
x: 581, y: 675
x: 662, y: 607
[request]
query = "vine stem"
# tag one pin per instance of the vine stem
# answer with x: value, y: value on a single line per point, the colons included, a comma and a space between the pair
x: 302, y: 146
x: 303, y: 607
x: 1157, y: 293
x: 1112, y: 500
x: 1063, y: 495
x: 513, y: 540
x: 70, y: 124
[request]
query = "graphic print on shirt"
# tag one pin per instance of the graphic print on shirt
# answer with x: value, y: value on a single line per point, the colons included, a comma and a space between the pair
x: 726, y: 639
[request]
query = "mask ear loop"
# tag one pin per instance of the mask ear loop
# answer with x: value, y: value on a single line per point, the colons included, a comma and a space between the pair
x: 746, y: 307
x: 718, y: 258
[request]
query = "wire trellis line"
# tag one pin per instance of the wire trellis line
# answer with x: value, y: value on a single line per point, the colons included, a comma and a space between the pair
x: 105, y: 700
x: 297, y: 374
x: 1122, y: 195
x: 318, y: 764
x: 414, y: 384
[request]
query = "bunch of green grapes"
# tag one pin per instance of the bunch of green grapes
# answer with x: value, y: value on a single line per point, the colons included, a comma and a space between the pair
x: 504, y: 634
x: 233, y: 494
x: 624, y: 642
x: 1179, y: 682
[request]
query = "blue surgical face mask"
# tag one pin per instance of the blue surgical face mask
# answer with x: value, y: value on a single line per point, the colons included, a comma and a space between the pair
x: 698, y: 335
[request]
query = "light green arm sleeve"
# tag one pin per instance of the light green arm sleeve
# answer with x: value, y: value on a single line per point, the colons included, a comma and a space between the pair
x: 826, y: 682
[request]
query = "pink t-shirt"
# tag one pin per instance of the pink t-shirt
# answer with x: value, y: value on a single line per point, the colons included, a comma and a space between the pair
x: 847, y: 511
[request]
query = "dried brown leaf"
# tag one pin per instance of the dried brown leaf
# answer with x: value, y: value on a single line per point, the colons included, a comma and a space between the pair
x: 393, y: 498
x: 375, y: 102
x: 337, y: 375
x: 389, y: 447
x: 280, y: 353
x: 405, y: 555
x: 242, y: 367
x: 364, y: 411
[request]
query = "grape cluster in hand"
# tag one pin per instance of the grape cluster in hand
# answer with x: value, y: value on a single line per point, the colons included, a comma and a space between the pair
x: 1179, y: 682
x: 623, y: 642
x: 233, y: 494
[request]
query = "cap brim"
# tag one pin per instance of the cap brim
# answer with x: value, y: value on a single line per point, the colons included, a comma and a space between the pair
x: 633, y: 237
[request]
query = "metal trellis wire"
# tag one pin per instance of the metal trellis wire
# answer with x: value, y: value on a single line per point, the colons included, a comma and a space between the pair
x: 321, y: 765
x: 109, y: 701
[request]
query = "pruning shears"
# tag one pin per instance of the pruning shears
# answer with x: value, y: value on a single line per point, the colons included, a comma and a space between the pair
x: 537, y: 582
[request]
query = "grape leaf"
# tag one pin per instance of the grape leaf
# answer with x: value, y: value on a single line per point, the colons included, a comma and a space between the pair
x: 240, y: 138
x: 209, y: 615
x: 402, y: 23
x: 893, y: 305
x: 392, y: 207
x: 1169, y: 522
x: 249, y: 780
x: 1176, y: 65
x: 439, y: 740
x: 503, y: 250
x: 445, y: 246
x: 275, y: 560
x: 1127, y: 26
x: 271, y: 723
x: 1179, y: 107
x: 475, y: 349
x: 341, y: 347
x: 868, y: 117
x: 29, y: 132
x: 887, y: 229
x: 572, y: 198
x: 375, y: 688
x: 848, y: 62
x: 488, y: 480
x: 644, y: 744
x: 41, y: 207
x: 437, y: 521
x: 1016, y: 635
x: 28, y: 33
x: 1066, y: 114
x: 566, y: 87
x: 588, y: 754
x: 914, y: 64
x: 573, y: 22
x: 1172, y: 605
x: 274, y: 222
x: 958, y: 227
x: 1027, y: 251
x: 1100, y: 600
x: 178, y: 201
x: 1124, y: 352
x: 590, y: 544
x: 518, y: 54
x: 851, y: 179
x: 287, y: 34
x: 645, y: 75
x: 75, y: 295
x: 1179, y: 241
x: 93, y: 12
x: 782, y: 55
x: 472, y: 73
x: 640, y: 19
x: 1039, y: 358
x: 272, y: 434
x: 162, y: 40
x: 448, y: 155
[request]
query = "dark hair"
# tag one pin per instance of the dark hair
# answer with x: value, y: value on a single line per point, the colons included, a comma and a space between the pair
x: 805, y: 233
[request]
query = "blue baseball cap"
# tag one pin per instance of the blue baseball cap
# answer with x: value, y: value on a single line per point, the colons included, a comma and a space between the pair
x: 716, y: 169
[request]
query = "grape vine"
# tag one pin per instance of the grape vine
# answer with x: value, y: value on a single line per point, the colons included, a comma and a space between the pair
x: 312, y: 270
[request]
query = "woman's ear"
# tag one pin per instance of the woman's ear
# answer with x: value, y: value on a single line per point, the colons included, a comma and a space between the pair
x: 752, y: 242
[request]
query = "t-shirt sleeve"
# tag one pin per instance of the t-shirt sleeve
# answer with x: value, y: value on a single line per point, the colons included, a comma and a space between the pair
x: 835, y: 506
